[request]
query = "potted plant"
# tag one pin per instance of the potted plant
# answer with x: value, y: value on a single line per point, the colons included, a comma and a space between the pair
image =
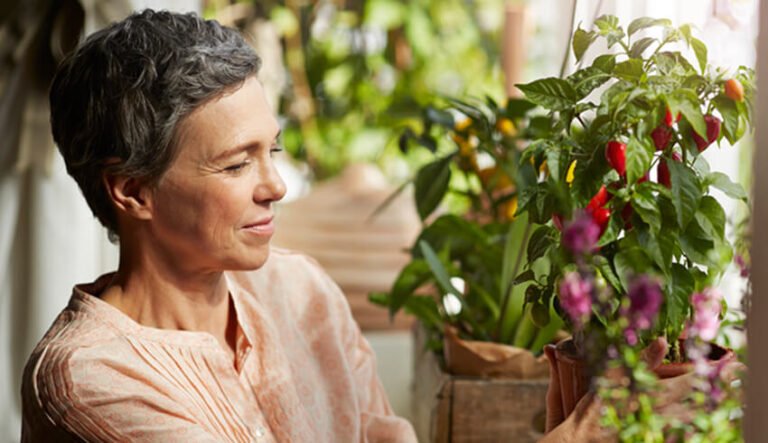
x: 633, y: 238
x: 460, y: 282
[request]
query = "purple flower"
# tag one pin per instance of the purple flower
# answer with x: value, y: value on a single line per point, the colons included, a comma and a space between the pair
x: 581, y: 235
x: 576, y: 297
x: 706, y: 314
x: 743, y: 266
x: 644, y: 302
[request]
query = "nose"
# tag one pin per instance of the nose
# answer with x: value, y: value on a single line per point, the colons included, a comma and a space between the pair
x: 270, y: 187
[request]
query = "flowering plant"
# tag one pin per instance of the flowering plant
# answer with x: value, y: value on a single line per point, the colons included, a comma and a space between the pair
x: 625, y: 214
x: 626, y: 220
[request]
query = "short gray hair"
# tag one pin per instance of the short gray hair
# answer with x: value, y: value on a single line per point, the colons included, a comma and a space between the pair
x: 123, y: 92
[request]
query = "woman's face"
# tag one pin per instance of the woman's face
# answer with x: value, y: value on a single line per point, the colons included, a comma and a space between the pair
x: 212, y: 209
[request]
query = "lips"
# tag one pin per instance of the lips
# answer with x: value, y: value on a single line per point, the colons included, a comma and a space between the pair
x: 264, y: 227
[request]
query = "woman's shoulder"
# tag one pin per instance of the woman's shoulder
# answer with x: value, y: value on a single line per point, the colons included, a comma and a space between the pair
x: 76, y: 348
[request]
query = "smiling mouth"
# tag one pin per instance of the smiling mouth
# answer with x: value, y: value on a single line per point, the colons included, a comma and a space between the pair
x: 264, y: 228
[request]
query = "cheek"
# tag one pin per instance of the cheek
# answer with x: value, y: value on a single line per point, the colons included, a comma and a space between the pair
x: 198, y: 212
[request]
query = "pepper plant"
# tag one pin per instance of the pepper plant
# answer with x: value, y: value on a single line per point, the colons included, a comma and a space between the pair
x: 624, y: 149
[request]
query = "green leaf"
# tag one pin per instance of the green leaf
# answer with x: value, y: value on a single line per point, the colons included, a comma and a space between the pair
x: 439, y: 116
x: 645, y: 206
x: 604, y: 266
x: 425, y: 309
x: 638, y: 47
x: 659, y: 246
x: 553, y: 162
x: 605, y: 63
x: 384, y: 14
x: 724, y: 183
x: 615, y: 226
x: 586, y: 80
x: 679, y: 289
x: 730, y: 113
x: 513, y: 248
x: 518, y: 107
x: 687, y: 102
x: 540, y: 314
x: 441, y: 275
x: 541, y: 240
x: 646, y: 22
x: 697, y: 245
x: 700, y: 49
x: 711, y: 217
x: 412, y: 276
x: 669, y: 62
x: 551, y: 93
x: 581, y: 42
x: 639, y: 157
x: 431, y: 185
x: 608, y: 27
x: 629, y: 263
x: 630, y: 70
x: 686, y: 192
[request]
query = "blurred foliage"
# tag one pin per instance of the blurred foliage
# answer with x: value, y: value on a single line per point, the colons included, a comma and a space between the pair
x: 359, y: 71
x: 465, y: 262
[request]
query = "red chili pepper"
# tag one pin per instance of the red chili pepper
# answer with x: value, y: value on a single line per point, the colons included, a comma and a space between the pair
x: 663, y: 170
x: 661, y: 137
x: 601, y: 217
x: 616, y: 154
x: 557, y: 220
x: 626, y: 215
x: 713, y: 132
x: 600, y: 199
x: 668, y: 118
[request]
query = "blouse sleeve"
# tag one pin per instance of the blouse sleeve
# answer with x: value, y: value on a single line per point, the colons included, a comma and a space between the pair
x: 78, y: 399
x: 378, y: 422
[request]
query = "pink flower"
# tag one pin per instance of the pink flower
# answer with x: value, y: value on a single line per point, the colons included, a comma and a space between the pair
x: 581, y: 235
x: 644, y: 302
x: 706, y: 314
x: 576, y: 297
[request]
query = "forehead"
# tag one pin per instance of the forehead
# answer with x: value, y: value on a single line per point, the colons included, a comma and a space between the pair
x: 238, y: 117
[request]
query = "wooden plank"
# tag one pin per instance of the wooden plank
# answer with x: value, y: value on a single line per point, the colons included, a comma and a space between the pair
x: 488, y: 410
x: 453, y: 409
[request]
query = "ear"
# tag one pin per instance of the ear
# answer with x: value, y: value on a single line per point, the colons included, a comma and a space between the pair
x: 129, y: 195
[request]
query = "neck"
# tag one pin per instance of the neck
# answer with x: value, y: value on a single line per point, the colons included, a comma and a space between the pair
x: 167, y: 293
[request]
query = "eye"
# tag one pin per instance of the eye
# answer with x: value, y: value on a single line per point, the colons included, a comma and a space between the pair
x: 275, y: 149
x: 237, y: 167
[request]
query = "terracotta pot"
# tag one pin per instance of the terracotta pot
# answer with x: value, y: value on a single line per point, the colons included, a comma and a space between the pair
x: 574, y: 377
x: 571, y: 372
x: 716, y: 355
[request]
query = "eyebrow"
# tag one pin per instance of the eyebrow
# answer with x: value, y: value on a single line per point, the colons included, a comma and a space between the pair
x: 244, y: 147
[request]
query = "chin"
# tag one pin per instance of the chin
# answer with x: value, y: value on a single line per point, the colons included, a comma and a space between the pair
x: 252, y: 260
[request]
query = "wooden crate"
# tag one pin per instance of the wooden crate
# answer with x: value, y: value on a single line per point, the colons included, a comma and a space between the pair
x: 457, y: 409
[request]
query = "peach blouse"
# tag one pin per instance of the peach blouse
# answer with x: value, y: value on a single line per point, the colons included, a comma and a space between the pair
x: 303, y: 371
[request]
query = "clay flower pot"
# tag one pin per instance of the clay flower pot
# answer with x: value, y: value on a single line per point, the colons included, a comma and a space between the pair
x: 575, y: 379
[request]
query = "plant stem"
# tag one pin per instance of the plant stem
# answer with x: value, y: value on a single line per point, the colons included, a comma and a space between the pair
x: 564, y: 64
x: 511, y: 285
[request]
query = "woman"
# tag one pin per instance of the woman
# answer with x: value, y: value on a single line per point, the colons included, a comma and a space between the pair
x: 203, y: 333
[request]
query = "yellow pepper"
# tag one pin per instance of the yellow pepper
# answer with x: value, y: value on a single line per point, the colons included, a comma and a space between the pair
x: 506, y: 127
x: 462, y: 125
x: 569, y: 176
